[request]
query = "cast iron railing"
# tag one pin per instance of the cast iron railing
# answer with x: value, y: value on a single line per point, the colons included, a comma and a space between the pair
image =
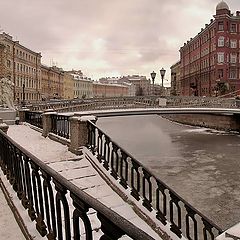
x: 184, y: 219
x: 59, y: 208
x: 135, y: 102
x: 60, y: 125
x: 34, y: 118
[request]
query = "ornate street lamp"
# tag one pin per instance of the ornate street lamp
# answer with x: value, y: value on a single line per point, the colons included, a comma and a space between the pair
x: 153, y: 75
x: 162, y: 73
x: 23, y: 94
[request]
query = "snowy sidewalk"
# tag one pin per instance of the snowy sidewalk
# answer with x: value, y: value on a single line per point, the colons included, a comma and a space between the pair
x: 9, y: 228
x: 76, y: 169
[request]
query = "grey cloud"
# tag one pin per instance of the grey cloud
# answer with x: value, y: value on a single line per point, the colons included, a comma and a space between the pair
x: 135, y: 34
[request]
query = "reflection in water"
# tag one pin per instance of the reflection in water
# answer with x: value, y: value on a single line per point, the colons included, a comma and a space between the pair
x: 202, y: 165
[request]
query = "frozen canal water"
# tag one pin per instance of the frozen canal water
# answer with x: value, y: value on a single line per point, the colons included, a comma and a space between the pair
x: 203, y: 166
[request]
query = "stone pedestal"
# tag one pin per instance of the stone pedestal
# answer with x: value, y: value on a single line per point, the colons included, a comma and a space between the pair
x: 79, y: 133
x: 3, y: 126
x: 47, y: 122
x: 22, y: 114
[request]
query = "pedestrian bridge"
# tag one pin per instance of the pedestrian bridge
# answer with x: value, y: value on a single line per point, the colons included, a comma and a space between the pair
x: 159, y: 111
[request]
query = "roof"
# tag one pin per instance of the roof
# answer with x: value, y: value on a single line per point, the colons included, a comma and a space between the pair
x: 222, y: 5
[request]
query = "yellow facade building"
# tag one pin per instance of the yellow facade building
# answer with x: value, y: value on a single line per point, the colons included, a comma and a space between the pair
x: 68, y: 85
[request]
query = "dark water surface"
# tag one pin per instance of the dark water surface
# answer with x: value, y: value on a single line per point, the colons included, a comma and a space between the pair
x: 201, y: 165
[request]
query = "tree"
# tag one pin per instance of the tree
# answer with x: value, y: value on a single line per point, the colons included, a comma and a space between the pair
x: 222, y: 87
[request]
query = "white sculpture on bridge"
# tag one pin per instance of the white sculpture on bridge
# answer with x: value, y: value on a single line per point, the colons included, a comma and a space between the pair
x: 6, y: 93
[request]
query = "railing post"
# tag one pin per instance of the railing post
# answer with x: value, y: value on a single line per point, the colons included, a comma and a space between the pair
x: 79, y: 132
x: 3, y: 126
x: 22, y: 114
x: 47, y: 122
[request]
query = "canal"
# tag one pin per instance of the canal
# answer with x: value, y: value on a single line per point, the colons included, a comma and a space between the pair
x: 201, y: 165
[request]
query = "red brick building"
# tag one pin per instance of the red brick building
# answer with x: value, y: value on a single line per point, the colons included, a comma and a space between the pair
x: 210, y: 60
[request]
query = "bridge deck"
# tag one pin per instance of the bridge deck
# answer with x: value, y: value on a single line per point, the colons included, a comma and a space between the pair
x: 79, y: 171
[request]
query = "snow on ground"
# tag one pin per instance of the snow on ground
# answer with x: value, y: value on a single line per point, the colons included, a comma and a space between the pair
x: 9, y: 228
x: 43, y: 148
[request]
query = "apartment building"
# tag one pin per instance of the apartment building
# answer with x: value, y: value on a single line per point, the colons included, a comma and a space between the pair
x: 68, y: 86
x: 22, y: 66
x: 175, y: 79
x: 82, y: 85
x: 141, y: 83
x: 52, y: 82
x: 109, y: 90
x: 120, y: 81
x: 210, y: 60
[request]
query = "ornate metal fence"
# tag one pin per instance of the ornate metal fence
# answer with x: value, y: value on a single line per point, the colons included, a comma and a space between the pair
x: 184, y: 219
x: 60, y: 209
x: 134, y: 102
x: 60, y: 125
x: 34, y: 118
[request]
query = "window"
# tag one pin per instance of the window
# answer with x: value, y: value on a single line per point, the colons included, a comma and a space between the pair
x: 220, y: 26
x: 233, y: 58
x: 220, y: 73
x: 221, y: 41
x: 233, y: 74
x: 233, y: 43
x: 233, y: 27
x: 220, y: 57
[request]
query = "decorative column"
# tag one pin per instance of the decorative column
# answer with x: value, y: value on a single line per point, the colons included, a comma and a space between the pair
x: 79, y: 132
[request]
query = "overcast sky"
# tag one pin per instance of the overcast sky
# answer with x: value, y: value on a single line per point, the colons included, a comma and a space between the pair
x: 107, y: 37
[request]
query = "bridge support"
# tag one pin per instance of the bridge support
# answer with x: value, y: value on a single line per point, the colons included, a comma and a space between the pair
x: 79, y: 132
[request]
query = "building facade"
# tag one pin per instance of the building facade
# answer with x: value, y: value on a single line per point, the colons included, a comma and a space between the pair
x: 141, y: 84
x: 175, y: 79
x: 68, y: 86
x: 22, y: 66
x: 210, y: 60
x: 120, y: 81
x: 81, y: 85
x: 52, y: 82
x: 109, y: 90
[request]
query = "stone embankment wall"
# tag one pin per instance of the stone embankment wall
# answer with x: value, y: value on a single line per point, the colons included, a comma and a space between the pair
x: 219, y: 122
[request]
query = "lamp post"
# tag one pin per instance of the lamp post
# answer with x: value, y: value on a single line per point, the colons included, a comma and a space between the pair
x: 153, y: 75
x: 162, y: 73
x: 23, y: 94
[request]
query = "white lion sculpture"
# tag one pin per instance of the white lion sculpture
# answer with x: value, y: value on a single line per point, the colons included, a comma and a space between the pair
x: 6, y: 93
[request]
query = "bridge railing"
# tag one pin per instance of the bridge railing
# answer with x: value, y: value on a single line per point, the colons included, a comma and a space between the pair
x: 34, y: 118
x: 184, y: 219
x: 137, y: 101
x: 59, y: 209
x: 60, y: 125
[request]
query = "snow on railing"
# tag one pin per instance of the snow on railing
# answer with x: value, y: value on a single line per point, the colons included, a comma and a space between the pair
x: 134, y: 102
x: 59, y: 208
